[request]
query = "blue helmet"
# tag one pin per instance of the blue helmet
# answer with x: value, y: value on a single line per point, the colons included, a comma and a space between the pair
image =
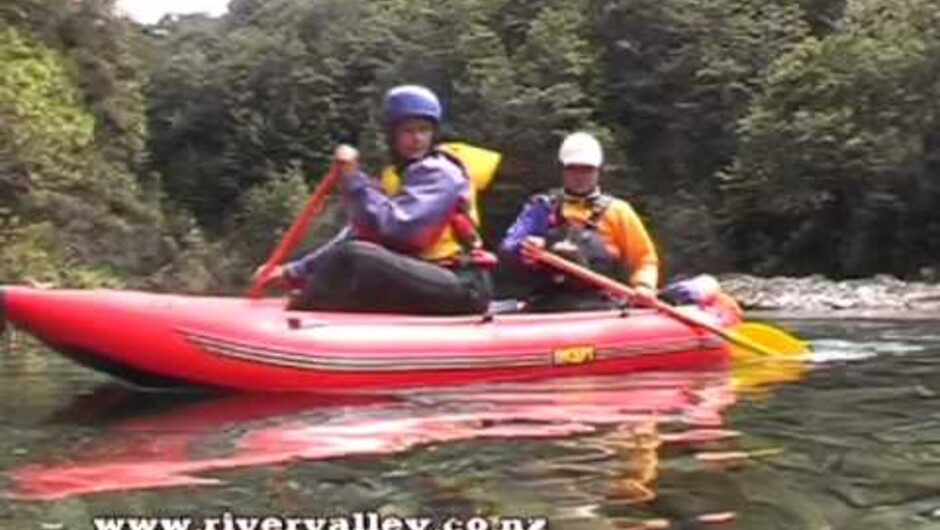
x: 411, y: 101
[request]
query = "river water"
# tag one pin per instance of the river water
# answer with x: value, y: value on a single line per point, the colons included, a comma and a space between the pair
x: 848, y: 441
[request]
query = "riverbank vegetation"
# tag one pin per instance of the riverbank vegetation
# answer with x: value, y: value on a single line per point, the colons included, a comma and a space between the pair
x: 768, y: 137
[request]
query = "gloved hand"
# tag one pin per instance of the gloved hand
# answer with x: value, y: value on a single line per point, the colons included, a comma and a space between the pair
x: 567, y: 250
x: 531, y: 245
x: 645, y: 295
x: 346, y: 158
x: 275, y: 275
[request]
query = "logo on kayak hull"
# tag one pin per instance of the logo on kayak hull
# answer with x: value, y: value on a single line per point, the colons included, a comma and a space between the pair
x: 574, y: 355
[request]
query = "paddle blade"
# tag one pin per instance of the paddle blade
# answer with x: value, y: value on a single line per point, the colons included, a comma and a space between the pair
x: 760, y: 375
x: 782, y: 344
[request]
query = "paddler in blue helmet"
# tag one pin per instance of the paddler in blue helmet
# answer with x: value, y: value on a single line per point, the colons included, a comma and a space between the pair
x: 412, y: 245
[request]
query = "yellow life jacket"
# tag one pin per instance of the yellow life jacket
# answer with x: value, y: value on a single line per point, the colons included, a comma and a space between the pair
x: 480, y: 167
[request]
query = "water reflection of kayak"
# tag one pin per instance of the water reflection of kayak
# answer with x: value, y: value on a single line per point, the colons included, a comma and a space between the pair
x: 167, y: 340
x: 177, y: 445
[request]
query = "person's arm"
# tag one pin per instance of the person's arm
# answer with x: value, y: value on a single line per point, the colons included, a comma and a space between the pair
x: 414, y: 217
x: 638, y: 251
x: 532, y: 221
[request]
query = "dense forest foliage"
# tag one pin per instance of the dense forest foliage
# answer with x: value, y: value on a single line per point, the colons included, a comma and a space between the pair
x: 765, y: 136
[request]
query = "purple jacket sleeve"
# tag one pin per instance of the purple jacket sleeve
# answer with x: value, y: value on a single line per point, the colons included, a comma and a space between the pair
x: 431, y: 191
x: 533, y: 220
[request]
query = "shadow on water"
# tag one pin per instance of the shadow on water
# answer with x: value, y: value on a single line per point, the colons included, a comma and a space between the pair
x: 851, y: 441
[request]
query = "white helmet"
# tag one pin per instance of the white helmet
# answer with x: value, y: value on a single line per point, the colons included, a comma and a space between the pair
x: 581, y: 149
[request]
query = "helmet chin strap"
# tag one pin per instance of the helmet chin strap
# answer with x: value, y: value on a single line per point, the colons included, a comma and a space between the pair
x: 590, y: 194
x: 401, y: 162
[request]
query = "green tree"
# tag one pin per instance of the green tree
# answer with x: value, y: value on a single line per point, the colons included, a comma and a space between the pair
x: 835, y: 173
x: 52, y: 172
x: 675, y: 77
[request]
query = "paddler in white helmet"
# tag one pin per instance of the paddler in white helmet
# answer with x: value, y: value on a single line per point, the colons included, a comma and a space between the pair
x: 581, y: 222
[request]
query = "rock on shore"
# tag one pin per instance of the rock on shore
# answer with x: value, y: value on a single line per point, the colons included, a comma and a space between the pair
x: 817, y: 293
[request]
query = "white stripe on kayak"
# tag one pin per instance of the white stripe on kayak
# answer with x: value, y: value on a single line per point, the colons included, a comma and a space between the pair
x: 295, y: 359
x: 660, y: 347
x: 263, y: 352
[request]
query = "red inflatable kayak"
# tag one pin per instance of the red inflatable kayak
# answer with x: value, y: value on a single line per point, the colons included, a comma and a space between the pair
x: 236, y: 343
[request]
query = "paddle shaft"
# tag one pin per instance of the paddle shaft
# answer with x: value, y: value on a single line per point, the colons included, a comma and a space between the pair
x: 615, y: 287
x: 297, y: 230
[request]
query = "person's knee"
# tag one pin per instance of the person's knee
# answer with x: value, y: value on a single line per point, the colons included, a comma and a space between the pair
x: 358, y: 250
x: 365, y: 262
